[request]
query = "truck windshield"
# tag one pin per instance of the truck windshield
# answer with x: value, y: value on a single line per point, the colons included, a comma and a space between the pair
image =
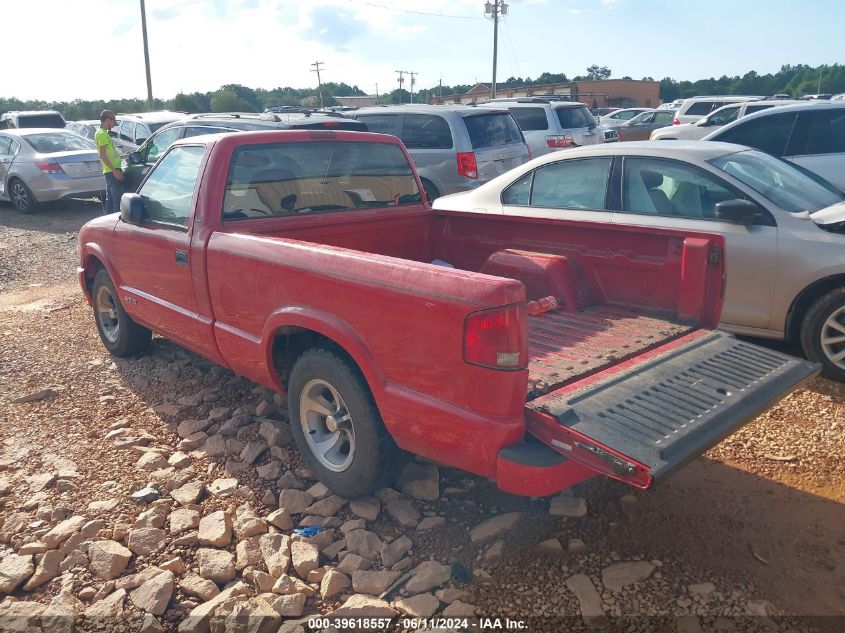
x: 788, y: 186
x: 285, y: 179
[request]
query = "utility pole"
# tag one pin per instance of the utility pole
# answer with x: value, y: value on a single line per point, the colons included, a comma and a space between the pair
x: 401, y: 81
x: 376, y: 94
x: 319, y: 83
x: 413, y: 74
x: 495, y: 9
x: 146, y: 57
x: 819, y: 89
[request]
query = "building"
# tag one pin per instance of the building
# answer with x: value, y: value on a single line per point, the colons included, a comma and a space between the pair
x: 357, y: 102
x: 605, y: 93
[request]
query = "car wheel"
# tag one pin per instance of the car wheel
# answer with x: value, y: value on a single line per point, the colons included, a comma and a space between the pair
x: 823, y: 334
x: 21, y: 197
x: 118, y: 332
x: 337, y: 426
x: 431, y: 191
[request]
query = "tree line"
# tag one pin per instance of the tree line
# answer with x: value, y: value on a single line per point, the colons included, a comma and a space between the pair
x: 791, y: 80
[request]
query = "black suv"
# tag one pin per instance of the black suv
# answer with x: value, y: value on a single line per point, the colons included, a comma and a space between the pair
x: 139, y: 163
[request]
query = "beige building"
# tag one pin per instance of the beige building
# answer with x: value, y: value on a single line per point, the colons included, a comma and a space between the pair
x: 606, y: 93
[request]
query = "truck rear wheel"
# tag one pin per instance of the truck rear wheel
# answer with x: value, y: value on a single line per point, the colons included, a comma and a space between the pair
x: 823, y: 334
x: 337, y: 426
x: 118, y: 332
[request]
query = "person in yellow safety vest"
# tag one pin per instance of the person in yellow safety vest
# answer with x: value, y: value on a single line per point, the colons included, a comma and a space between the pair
x: 110, y: 160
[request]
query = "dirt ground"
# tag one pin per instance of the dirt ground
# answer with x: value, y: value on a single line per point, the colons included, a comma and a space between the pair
x: 761, y: 516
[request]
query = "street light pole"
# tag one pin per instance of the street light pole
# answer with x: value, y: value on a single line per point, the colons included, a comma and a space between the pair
x: 146, y: 57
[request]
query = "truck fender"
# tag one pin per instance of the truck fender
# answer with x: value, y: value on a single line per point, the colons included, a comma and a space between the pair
x: 92, y: 250
x: 330, y: 327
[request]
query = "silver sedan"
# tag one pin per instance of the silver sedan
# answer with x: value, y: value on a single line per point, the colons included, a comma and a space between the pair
x: 784, y: 226
x: 42, y: 165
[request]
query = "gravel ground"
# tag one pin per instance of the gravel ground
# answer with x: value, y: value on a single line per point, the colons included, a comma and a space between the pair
x: 750, y: 537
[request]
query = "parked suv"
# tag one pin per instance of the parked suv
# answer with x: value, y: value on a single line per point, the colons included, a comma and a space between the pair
x: 716, y: 119
x: 694, y: 108
x: 454, y: 147
x: 139, y: 163
x: 550, y: 125
x: 810, y: 134
x: 31, y: 119
x: 135, y: 129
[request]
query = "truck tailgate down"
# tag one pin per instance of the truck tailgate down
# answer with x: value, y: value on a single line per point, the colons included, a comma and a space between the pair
x: 641, y: 422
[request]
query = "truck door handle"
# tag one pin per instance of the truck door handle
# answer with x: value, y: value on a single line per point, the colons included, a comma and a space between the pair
x: 182, y: 257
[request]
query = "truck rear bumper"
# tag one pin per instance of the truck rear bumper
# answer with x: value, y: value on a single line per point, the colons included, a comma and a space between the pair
x: 532, y: 469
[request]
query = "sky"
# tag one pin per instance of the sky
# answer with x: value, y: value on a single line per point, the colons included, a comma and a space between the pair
x: 94, y: 49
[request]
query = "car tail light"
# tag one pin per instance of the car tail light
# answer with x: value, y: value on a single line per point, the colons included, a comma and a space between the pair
x: 331, y: 124
x: 528, y: 147
x: 560, y: 141
x: 467, y: 165
x: 497, y: 338
x: 50, y: 168
x: 675, y: 121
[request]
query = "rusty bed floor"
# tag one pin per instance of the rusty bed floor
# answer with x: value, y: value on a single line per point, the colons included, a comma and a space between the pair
x: 564, y: 346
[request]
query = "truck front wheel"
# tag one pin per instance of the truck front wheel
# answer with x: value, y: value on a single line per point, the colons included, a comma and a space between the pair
x: 337, y: 426
x: 823, y: 334
x: 118, y: 332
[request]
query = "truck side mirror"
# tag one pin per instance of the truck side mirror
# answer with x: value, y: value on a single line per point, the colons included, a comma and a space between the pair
x: 737, y: 211
x: 132, y: 208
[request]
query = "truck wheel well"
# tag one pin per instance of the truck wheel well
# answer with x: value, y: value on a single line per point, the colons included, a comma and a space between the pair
x: 92, y: 267
x: 290, y: 342
x: 807, y: 298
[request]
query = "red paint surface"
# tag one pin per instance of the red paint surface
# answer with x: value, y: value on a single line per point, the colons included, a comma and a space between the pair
x: 362, y: 278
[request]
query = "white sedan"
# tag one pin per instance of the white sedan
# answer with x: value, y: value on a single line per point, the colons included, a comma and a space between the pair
x: 784, y: 226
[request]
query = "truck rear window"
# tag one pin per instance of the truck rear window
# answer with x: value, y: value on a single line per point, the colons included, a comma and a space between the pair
x: 490, y: 130
x: 291, y: 179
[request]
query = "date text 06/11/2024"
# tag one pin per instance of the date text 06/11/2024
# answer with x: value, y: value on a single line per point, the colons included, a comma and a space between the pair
x: 478, y: 624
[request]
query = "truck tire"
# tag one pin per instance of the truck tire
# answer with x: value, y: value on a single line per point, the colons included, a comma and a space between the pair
x: 337, y: 425
x: 118, y: 332
x: 823, y: 334
x: 21, y: 196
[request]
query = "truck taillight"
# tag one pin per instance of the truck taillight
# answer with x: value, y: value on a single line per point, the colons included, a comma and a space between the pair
x: 50, y: 168
x: 467, y: 165
x: 675, y: 121
x: 497, y: 338
x: 559, y: 141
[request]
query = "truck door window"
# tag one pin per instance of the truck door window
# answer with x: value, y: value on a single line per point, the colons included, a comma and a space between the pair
x: 169, y: 190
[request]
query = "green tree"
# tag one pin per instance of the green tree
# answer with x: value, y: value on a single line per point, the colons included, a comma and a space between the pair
x: 596, y: 72
x: 229, y: 101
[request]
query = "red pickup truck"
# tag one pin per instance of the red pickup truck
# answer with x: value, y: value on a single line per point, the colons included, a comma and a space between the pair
x: 539, y: 353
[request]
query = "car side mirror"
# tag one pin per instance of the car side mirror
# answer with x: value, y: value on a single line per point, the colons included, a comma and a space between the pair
x: 737, y: 211
x: 135, y: 158
x: 132, y: 208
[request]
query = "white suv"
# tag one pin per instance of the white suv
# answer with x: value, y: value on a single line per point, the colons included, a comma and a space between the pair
x: 694, y: 108
x: 549, y: 125
x: 713, y: 121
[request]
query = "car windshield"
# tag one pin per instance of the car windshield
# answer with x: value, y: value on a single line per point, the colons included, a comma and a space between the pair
x: 52, y: 142
x: 788, y: 186
x: 575, y: 117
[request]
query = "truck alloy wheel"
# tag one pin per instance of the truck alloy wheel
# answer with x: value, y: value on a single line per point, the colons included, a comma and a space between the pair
x: 337, y: 425
x: 327, y: 425
x: 118, y: 332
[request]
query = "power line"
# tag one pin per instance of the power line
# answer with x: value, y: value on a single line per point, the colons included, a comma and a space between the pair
x: 436, y: 15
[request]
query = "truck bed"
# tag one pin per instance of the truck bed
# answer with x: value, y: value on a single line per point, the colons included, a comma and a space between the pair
x: 567, y: 345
